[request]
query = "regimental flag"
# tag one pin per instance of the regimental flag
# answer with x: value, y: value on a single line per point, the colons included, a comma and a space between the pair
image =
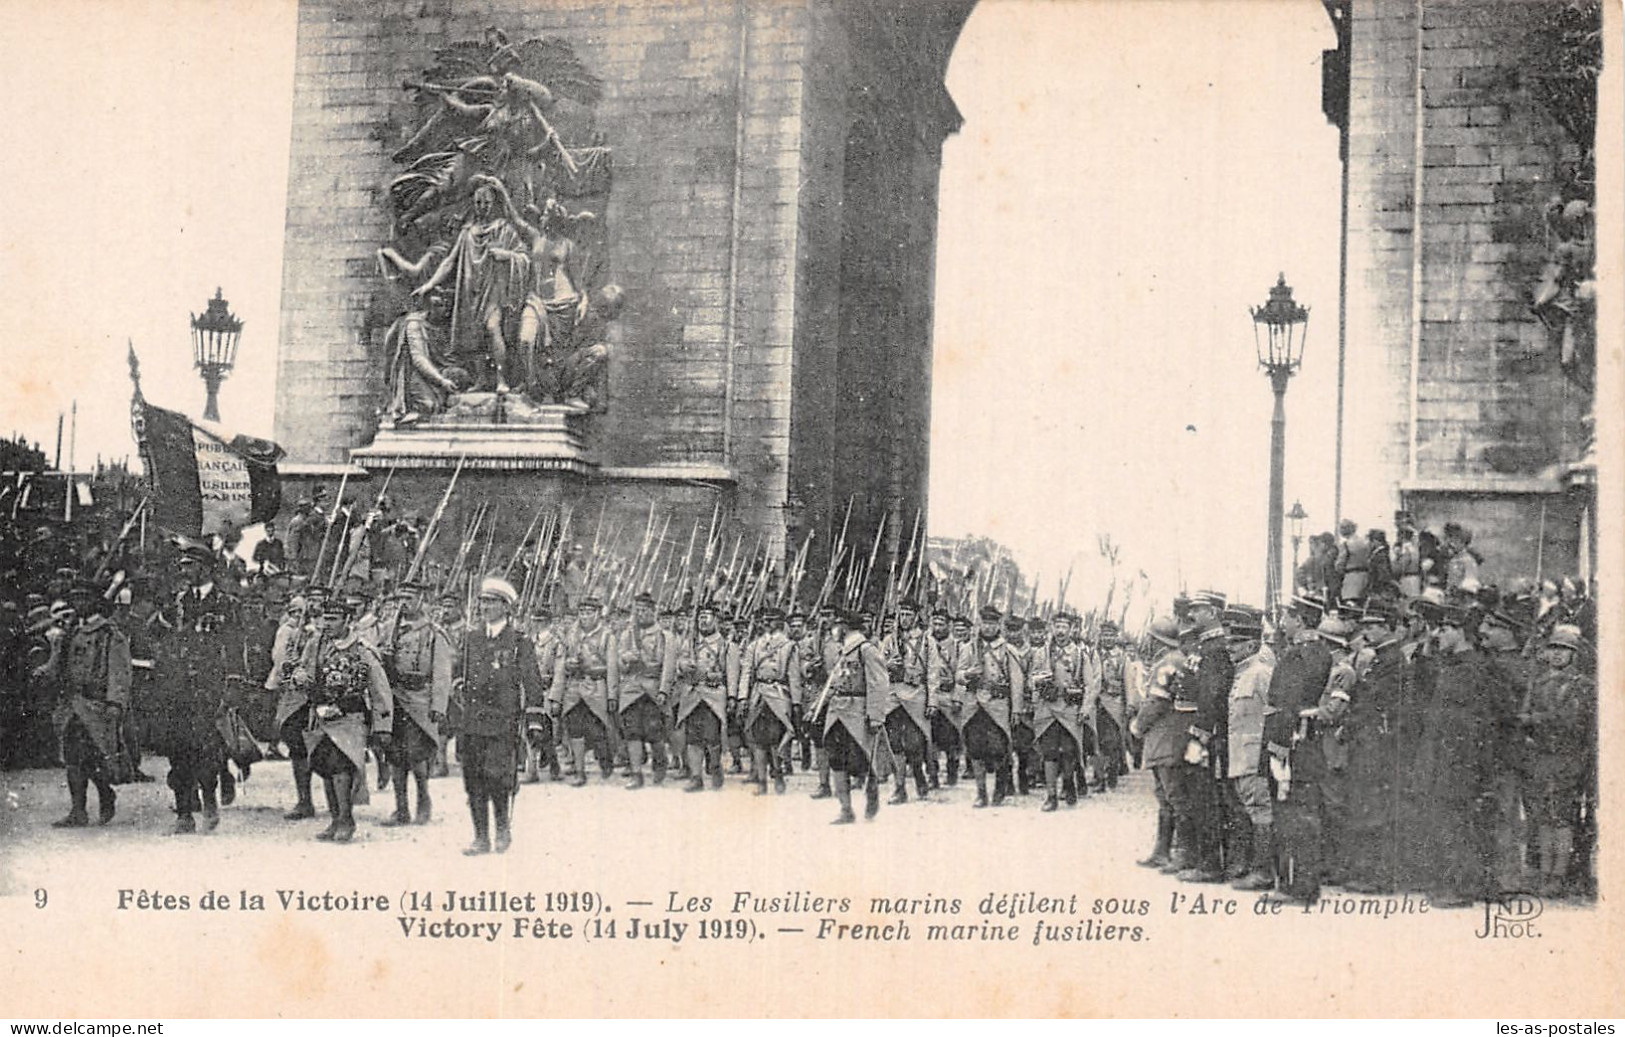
x: 201, y: 480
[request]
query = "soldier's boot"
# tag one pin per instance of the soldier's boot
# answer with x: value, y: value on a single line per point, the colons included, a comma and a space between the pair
x: 326, y: 834
x: 78, y: 786
x: 953, y: 769
x: 1164, y: 844
x: 978, y: 770
x: 185, y: 824
x: 843, y: 793
x: 344, y: 789
x: 228, y: 787
x: 1022, y: 775
x: 403, y: 813
x: 822, y: 792
x: 1002, y: 784
x: 420, y: 774
x: 713, y: 765
x: 1238, y: 851
x: 533, y: 765
x: 780, y: 764
x: 578, y: 762
x: 657, y: 761
x: 921, y: 786
x: 1070, y: 789
x: 758, y: 770
x: 106, y: 801
x: 478, y: 810
x: 1262, y: 874
x: 501, y: 805
x: 871, y: 797
x: 634, y: 765
x: 933, y: 771
x: 211, y: 808
x: 899, y: 794
x: 439, y: 768
x: 1052, y: 783
x: 738, y: 762
x: 304, y: 807
x: 695, y: 769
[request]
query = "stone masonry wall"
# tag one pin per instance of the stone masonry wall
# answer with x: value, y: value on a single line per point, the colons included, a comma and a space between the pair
x: 1445, y: 320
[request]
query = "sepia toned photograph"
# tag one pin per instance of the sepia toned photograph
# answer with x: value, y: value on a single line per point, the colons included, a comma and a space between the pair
x: 519, y: 509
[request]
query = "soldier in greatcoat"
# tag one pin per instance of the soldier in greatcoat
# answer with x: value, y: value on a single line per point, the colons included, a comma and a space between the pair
x: 417, y: 656
x: 1111, y: 712
x: 541, y: 734
x: 350, y: 708
x: 202, y: 649
x: 702, y: 698
x: 1059, y: 686
x: 991, y: 675
x: 855, y: 713
x: 940, y: 651
x: 644, y: 664
x: 500, y: 681
x: 294, y: 629
x: 94, y: 678
x: 907, y: 654
x: 770, y: 684
x: 586, y: 679
x: 1561, y: 759
x: 1247, y: 773
x: 1301, y: 673
x: 1162, y: 733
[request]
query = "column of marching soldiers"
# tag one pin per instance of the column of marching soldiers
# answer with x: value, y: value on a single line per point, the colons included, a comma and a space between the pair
x: 1442, y: 741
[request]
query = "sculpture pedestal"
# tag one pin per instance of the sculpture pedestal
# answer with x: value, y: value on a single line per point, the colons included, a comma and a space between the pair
x: 515, y: 436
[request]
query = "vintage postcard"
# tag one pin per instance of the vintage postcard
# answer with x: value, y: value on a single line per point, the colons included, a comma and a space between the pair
x: 782, y: 508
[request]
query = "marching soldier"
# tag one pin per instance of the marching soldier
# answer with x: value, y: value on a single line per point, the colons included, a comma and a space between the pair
x: 1328, y: 717
x: 585, y: 682
x: 856, y: 709
x: 292, y: 708
x: 1060, y: 680
x: 448, y: 616
x: 994, y: 693
x: 1561, y: 763
x: 202, y: 648
x: 1248, y: 707
x: 940, y: 648
x: 1163, y: 732
x: 644, y: 666
x: 1021, y: 721
x: 796, y: 630
x: 818, y: 658
x: 501, y: 682
x: 541, y: 737
x: 908, y: 671
x: 94, y: 677
x: 350, y: 706
x: 1503, y: 634
x: 1111, y: 708
x: 417, y: 657
x: 770, y: 684
x: 702, y: 709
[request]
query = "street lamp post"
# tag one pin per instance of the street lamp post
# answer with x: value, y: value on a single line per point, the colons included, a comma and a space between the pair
x: 214, y: 349
x: 1296, y: 517
x: 1279, y: 329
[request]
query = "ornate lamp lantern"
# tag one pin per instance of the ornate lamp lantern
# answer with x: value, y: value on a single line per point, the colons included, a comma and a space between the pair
x: 1280, y: 327
x: 214, y: 349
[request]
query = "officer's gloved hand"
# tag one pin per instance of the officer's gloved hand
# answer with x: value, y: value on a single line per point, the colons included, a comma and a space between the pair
x: 1281, y: 771
x: 1195, y: 753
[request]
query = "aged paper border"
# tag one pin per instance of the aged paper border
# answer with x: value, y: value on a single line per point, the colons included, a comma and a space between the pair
x: 87, y: 960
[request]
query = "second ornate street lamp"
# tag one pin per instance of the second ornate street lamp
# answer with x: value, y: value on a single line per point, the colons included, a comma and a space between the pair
x: 1279, y: 329
x: 214, y: 349
x: 1296, y: 517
